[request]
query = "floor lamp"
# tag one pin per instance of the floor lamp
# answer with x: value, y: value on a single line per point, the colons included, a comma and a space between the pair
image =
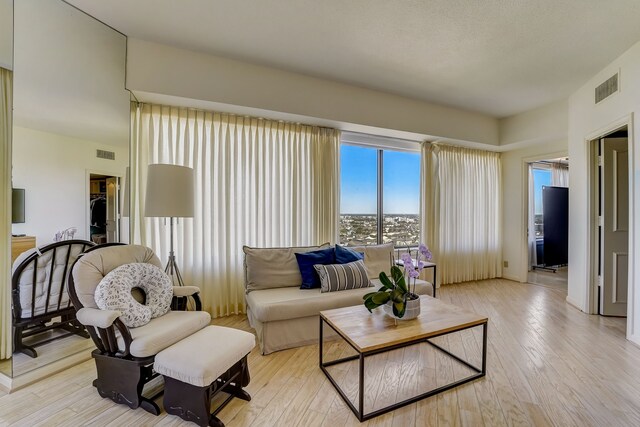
x: 170, y: 191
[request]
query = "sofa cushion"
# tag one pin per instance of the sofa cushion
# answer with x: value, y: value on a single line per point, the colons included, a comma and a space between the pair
x: 164, y: 331
x: 345, y: 255
x: 306, y: 263
x: 267, y: 268
x: 377, y: 258
x: 291, y: 303
x: 341, y: 277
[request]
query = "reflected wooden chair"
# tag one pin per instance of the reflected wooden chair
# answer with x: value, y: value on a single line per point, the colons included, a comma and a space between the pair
x: 40, y: 297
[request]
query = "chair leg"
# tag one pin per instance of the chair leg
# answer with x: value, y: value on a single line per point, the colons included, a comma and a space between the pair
x: 75, y: 328
x: 19, y: 346
x: 122, y: 381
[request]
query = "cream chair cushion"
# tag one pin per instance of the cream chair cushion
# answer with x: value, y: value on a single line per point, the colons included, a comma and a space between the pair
x: 94, y: 265
x: 205, y: 355
x: 165, y: 331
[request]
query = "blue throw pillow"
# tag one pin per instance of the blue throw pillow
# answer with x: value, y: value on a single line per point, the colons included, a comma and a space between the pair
x: 307, y: 260
x: 345, y: 255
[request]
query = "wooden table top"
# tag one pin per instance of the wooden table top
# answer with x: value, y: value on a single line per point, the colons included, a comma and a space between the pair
x: 373, y: 331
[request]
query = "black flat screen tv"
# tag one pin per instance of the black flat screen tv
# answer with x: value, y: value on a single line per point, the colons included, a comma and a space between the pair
x: 17, y: 205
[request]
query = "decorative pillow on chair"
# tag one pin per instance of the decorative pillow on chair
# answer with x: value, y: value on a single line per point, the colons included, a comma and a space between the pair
x: 306, y: 262
x: 345, y: 255
x: 114, y: 293
x: 340, y: 277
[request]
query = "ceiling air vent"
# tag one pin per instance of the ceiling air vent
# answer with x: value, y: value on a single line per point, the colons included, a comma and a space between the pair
x: 608, y: 88
x: 103, y: 154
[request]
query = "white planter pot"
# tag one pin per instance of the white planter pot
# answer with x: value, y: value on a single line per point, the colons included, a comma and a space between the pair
x: 411, y: 312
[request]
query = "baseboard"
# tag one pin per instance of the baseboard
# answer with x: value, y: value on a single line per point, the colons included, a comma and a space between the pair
x: 20, y: 381
x: 512, y: 278
x: 5, y: 383
x: 634, y: 339
x: 574, y: 304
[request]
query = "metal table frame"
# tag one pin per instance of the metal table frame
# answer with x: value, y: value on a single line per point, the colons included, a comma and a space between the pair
x: 359, y: 412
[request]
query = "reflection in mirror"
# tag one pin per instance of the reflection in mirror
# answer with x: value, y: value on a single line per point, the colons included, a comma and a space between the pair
x: 70, y: 154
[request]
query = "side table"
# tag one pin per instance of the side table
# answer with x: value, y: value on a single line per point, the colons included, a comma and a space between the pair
x: 427, y: 264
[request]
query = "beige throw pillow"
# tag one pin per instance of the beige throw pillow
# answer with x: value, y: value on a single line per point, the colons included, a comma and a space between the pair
x: 267, y: 268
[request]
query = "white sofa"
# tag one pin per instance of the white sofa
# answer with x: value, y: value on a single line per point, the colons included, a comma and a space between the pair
x: 285, y: 316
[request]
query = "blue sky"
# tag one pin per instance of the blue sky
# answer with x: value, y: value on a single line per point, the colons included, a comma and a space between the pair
x: 358, y: 181
x: 540, y: 177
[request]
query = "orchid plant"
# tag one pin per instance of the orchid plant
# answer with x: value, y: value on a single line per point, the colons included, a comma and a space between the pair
x: 395, y: 289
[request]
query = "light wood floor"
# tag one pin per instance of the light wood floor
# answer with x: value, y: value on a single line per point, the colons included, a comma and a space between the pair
x: 557, y: 280
x: 548, y: 364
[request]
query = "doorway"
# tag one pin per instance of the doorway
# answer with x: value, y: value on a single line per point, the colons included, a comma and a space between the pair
x: 612, y: 213
x: 548, y: 216
x: 104, y: 224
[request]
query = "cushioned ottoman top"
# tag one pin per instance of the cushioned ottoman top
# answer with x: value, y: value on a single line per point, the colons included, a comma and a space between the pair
x: 202, y: 357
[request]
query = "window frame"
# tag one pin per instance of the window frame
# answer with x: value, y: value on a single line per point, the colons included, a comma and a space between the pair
x: 380, y: 144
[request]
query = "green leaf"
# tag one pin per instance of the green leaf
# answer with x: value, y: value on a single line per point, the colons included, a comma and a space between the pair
x: 370, y: 305
x: 399, y: 308
x: 386, y: 282
x: 380, y: 298
x: 397, y: 295
x: 398, y: 278
x: 367, y: 296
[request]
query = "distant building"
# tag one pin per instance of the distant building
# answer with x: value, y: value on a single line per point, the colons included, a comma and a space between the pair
x: 360, y: 229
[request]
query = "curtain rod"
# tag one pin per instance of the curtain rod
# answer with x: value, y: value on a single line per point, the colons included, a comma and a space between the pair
x: 548, y: 162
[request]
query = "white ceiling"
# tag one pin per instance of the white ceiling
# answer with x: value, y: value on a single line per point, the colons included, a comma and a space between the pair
x: 499, y: 57
x: 69, y: 74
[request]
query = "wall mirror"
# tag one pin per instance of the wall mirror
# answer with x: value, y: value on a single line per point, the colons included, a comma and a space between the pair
x: 70, y: 156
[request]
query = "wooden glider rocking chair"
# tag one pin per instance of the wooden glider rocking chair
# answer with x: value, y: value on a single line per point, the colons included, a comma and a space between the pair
x: 125, y: 355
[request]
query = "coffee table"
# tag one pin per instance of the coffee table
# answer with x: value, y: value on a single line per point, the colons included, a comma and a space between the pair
x: 374, y: 333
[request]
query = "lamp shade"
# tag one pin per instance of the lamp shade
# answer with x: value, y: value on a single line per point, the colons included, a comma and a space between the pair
x: 170, y: 191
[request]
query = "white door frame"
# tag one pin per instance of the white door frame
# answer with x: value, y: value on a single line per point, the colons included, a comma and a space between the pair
x: 87, y: 196
x: 524, y: 243
x: 591, y: 296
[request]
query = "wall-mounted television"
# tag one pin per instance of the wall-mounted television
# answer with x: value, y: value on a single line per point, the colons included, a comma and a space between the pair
x: 17, y: 205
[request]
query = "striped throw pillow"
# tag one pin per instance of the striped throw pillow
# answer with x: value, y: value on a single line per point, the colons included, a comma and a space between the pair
x: 339, y: 277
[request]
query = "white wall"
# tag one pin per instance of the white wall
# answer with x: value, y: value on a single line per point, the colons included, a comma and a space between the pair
x: 6, y: 34
x: 533, y: 135
x: 515, y: 196
x: 543, y: 125
x: 161, y: 69
x: 586, y: 121
x: 53, y: 171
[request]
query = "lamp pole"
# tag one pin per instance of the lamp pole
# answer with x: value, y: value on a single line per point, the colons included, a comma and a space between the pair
x: 171, y: 263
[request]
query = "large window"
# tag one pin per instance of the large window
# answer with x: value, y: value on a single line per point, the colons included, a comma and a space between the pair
x: 541, y: 178
x: 380, y: 196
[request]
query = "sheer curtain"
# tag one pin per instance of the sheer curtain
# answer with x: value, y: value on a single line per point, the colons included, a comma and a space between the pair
x: 6, y: 105
x: 258, y: 183
x: 461, y: 211
x: 559, y: 175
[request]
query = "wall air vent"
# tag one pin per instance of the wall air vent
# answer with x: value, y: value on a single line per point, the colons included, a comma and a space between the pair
x: 608, y: 88
x: 103, y: 154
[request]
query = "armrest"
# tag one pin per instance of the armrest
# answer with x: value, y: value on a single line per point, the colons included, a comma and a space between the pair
x: 185, y: 291
x: 98, y: 318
